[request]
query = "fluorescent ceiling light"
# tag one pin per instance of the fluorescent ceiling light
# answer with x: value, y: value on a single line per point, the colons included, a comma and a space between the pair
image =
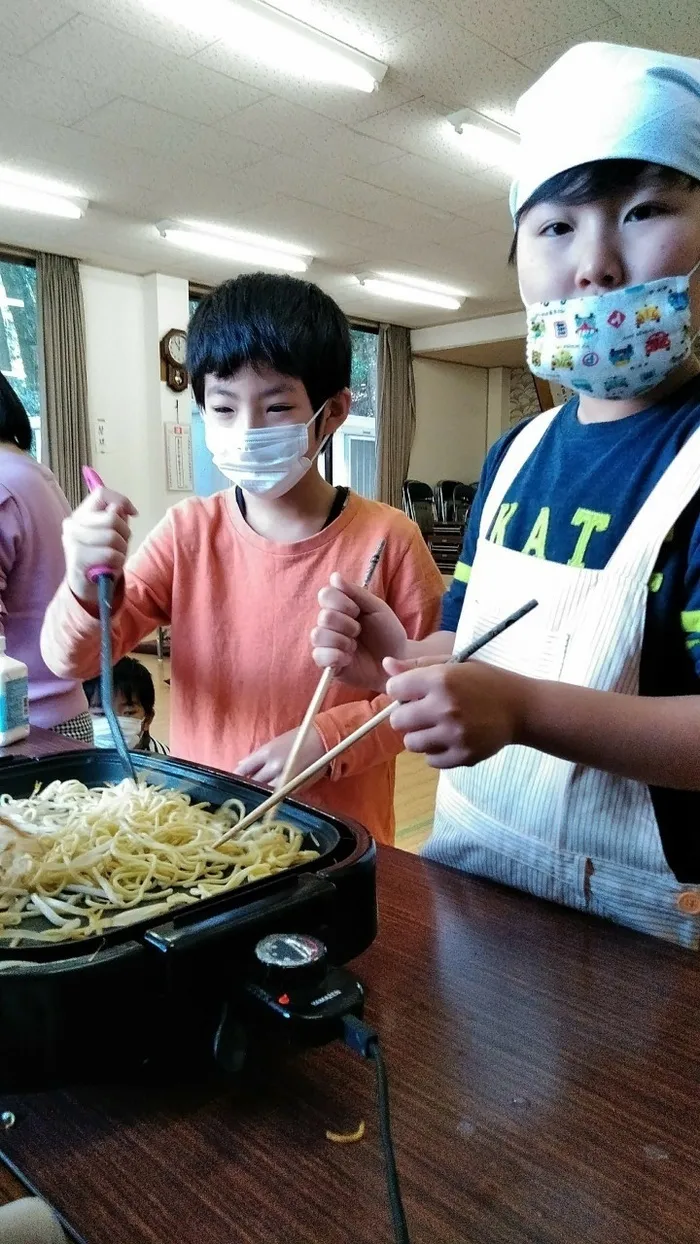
x: 412, y: 289
x: 265, y: 34
x: 245, y: 248
x: 25, y: 193
x: 19, y: 178
x: 488, y: 140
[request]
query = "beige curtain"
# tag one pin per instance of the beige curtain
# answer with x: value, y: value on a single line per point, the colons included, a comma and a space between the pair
x: 62, y: 328
x: 396, y: 414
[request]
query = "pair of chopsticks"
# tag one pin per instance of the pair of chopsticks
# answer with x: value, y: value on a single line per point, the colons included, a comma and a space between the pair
x: 321, y: 691
x: 322, y: 763
x: 103, y: 577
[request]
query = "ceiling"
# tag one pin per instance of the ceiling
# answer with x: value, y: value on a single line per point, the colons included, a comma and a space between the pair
x: 509, y: 353
x: 150, y: 121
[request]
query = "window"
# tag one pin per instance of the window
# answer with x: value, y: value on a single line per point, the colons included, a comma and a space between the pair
x: 206, y: 478
x: 353, y: 453
x: 19, y: 359
x: 352, y: 456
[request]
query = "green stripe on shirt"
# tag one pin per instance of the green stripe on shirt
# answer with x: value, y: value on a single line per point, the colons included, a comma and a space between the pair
x: 690, y: 621
x: 462, y: 572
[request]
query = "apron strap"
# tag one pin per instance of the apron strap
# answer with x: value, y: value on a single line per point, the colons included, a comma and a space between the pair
x: 522, y: 446
x: 639, y: 548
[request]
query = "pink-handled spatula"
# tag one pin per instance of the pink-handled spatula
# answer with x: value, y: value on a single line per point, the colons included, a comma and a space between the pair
x: 103, y: 577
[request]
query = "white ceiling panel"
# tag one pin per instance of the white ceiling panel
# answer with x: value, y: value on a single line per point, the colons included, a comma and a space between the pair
x: 453, y: 66
x: 310, y: 225
x: 49, y: 94
x: 337, y: 103
x: 673, y: 25
x: 426, y: 181
x: 421, y: 128
x: 136, y: 19
x: 149, y: 120
x: 616, y: 31
x: 65, y: 154
x: 538, y: 21
x: 494, y: 214
x: 129, y: 123
x: 120, y: 64
x: 193, y: 195
x: 282, y: 126
x: 23, y: 23
x: 298, y: 132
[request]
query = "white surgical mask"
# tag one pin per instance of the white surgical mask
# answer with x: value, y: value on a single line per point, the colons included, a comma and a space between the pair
x: 131, y: 728
x: 264, y: 461
x: 615, y: 345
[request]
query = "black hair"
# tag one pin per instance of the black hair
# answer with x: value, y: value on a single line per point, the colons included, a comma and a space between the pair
x: 132, y: 679
x: 280, y: 322
x: 588, y: 183
x: 15, y: 427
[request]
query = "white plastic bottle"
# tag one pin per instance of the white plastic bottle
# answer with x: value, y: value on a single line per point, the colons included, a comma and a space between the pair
x: 14, y: 698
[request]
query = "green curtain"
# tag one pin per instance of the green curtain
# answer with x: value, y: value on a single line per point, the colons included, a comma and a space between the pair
x: 396, y: 412
x: 62, y: 329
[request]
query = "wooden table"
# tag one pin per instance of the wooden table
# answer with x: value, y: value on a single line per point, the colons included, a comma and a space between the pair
x: 41, y: 743
x: 545, y: 1077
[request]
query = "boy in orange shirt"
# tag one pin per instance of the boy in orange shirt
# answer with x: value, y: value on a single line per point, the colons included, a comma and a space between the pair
x: 236, y: 575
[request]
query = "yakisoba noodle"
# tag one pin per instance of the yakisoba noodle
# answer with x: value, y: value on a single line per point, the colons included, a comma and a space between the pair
x: 91, y: 859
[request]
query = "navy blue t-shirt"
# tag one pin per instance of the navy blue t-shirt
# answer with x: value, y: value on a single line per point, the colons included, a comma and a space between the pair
x: 572, y: 502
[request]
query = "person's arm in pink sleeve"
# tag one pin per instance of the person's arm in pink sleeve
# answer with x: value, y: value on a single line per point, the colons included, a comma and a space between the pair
x: 70, y: 637
x: 382, y: 745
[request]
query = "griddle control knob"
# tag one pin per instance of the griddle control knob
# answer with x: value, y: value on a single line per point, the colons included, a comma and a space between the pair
x: 291, y: 961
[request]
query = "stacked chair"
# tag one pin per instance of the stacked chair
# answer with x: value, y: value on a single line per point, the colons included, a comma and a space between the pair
x: 419, y: 504
x: 441, y: 513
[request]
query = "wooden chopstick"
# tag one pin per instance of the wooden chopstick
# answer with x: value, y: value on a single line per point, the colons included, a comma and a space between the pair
x: 321, y: 691
x: 319, y: 765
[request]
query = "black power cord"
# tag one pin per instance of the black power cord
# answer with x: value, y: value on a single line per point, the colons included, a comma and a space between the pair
x: 359, y: 1037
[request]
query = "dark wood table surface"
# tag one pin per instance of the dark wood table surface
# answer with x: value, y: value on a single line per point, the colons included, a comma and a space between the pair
x: 545, y: 1080
x: 41, y: 743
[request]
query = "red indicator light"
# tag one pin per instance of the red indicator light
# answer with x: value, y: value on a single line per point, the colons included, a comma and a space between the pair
x: 283, y: 999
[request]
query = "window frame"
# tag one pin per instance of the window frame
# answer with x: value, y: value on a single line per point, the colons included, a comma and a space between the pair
x: 27, y: 259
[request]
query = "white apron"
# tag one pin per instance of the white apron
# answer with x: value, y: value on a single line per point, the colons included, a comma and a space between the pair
x: 559, y: 830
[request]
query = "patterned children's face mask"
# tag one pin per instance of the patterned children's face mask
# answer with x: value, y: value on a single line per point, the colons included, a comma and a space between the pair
x: 616, y: 345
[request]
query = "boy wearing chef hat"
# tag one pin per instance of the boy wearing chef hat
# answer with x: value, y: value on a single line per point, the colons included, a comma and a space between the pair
x: 571, y: 747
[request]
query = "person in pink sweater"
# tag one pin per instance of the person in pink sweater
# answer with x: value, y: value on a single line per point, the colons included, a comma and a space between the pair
x: 236, y: 575
x: 32, y: 509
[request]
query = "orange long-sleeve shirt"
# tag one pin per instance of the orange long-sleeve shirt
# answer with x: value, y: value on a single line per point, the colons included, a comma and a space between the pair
x: 241, y: 608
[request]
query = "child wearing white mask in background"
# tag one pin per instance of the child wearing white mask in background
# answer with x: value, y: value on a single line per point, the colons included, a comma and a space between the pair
x: 236, y: 575
x: 134, y: 704
x: 570, y: 747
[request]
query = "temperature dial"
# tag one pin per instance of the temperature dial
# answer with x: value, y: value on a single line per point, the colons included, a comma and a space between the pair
x: 291, y: 960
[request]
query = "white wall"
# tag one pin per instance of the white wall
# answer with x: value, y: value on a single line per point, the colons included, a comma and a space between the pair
x: 498, y: 417
x: 125, y: 318
x: 451, y: 421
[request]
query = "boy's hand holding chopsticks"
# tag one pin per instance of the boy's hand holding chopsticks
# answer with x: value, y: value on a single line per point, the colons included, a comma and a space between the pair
x: 501, y: 727
x: 355, y: 632
x: 276, y: 762
x: 267, y: 764
x: 455, y: 714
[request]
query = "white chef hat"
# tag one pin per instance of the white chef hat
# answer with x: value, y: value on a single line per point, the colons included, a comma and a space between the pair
x: 601, y: 101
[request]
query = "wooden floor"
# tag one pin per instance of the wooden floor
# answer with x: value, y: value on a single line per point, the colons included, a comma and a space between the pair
x: 416, y: 782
